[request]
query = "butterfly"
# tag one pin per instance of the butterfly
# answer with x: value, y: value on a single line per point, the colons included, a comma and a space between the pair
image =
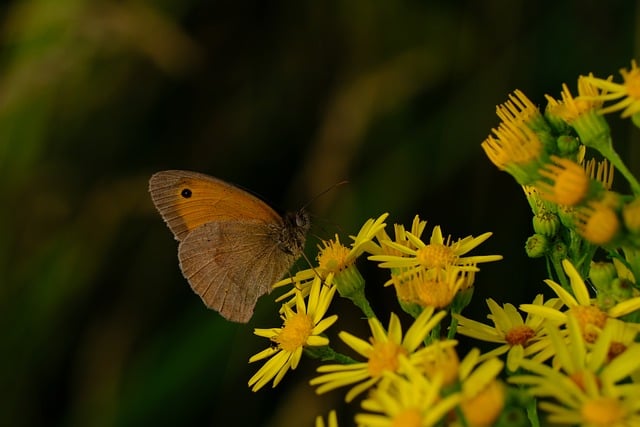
x: 232, y: 245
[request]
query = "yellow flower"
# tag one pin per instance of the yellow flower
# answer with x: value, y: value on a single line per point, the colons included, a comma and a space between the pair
x: 629, y: 91
x: 520, y: 111
x: 408, y: 400
x: 568, y: 182
x: 302, y: 327
x: 414, y: 255
x: 431, y: 288
x: 571, y: 109
x: 582, y: 113
x: 483, y: 396
x: 381, y: 353
x: 590, y: 317
x: 622, y: 335
x: 516, y: 150
x: 441, y: 361
x: 587, y: 387
x: 519, y: 338
x: 483, y: 409
x: 400, y: 233
x: 597, y: 223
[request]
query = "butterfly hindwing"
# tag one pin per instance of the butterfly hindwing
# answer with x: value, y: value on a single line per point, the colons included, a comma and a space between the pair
x: 230, y: 265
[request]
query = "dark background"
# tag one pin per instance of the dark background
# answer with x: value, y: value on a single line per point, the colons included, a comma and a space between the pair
x: 97, y: 325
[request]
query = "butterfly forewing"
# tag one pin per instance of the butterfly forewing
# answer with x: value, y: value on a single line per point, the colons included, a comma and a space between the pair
x: 187, y: 200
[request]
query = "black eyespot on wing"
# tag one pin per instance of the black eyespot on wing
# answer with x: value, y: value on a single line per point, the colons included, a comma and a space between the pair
x: 186, y: 193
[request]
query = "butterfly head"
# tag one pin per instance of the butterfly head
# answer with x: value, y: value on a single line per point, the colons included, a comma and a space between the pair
x: 293, y: 233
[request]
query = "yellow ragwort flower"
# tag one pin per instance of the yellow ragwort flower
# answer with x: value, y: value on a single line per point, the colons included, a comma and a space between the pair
x: 597, y: 223
x: 519, y: 111
x: 400, y: 237
x: 381, y: 353
x: 302, y: 327
x: 431, y: 288
x: 628, y: 92
x: 567, y: 184
x: 582, y: 113
x: 590, y: 317
x: 586, y: 387
x: 518, y: 338
x: 621, y: 336
x: 516, y: 150
x: 408, y: 400
x: 483, y: 395
x: 571, y: 109
x: 440, y: 253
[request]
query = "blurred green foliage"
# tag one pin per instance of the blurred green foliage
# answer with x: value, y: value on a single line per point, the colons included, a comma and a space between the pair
x: 287, y: 98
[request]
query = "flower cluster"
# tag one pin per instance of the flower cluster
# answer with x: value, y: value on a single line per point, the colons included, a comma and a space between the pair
x: 571, y: 358
x: 409, y: 376
x: 576, y: 353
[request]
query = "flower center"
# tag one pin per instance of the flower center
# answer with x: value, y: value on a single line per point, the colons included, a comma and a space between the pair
x: 579, y: 379
x: 632, y: 83
x: 410, y: 417
x: 333, y: 257
x: 436, y: 256
x: 615, y: 349
x: 519, y: 335
x: 570, y: 182
x: 602, y: 411
x: 295, y: 332
x: 384, y: 357
x: 444, y: 361
x: 484, y: 408
x: 432, y: 292
x: 599, y: 224
x: 588, y: 317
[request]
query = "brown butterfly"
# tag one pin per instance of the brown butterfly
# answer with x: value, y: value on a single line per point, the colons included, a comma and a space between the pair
x: 233, y: 246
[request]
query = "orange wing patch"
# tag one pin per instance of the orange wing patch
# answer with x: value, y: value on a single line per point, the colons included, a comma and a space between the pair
x: 187, y: 200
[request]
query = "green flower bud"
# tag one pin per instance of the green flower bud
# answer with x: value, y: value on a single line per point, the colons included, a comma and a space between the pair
x: 602, y: 274
x: 623, y: 289
x: 566, y: 215
x: 537, y: 246
x: 605, y: 301
x: 567, y: 145
x: 350, y: 285
x: 558, y: 251
x: 546, y: 224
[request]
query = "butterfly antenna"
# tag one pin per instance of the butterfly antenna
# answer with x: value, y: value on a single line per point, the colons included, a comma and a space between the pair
x: 323, y: 192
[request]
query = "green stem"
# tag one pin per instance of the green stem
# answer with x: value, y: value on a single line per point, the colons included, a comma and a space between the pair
x: 434, y: 336
x: 532, y: 413
x: 557, y: 266
x: 617, y: 163
x: 461, y: 417
x: 364, y: 305
x: 453, y: 327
